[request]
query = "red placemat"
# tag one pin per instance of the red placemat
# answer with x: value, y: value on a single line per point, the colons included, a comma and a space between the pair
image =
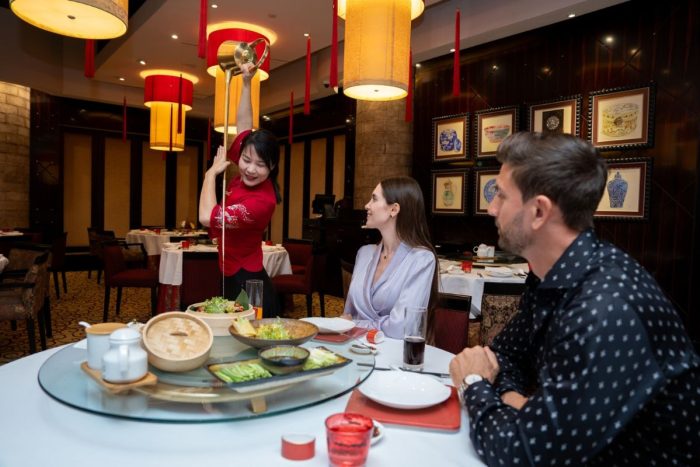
x: 444, y: 416
x: 340, y: 338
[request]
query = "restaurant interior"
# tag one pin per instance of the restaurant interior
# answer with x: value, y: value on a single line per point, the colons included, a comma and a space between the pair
x: 78, y: 152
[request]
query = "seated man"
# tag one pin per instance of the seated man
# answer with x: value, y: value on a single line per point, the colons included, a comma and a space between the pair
x: 596, y: 368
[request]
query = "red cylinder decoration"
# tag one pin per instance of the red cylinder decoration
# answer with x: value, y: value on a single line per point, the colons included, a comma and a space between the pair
x: 455, y: 65
x: 307, y: 81
x: 409, y: 97
x: 202, y: 44
x: 208, y: 149
x: 89, y: 58
x: 333, y: 79
x: 124, y: 120
x: 291, y: 117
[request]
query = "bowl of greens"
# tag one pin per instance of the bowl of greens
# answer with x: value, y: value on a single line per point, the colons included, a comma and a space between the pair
x: 219, y: 312
x: 269, y: 332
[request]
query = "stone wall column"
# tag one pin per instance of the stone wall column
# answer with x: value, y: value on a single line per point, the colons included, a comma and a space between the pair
x: 383, y: 146
x: 14, y: 155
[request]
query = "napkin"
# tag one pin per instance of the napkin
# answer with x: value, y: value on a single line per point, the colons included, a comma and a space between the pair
x: 501, y: 271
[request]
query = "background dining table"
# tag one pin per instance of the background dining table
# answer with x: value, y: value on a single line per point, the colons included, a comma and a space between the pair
x: 275, y: 261
x: 455, y: 281
x: 39, y: 430
x: 153, y: 241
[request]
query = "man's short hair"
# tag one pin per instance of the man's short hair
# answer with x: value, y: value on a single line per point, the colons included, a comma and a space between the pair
x: 566, y: 169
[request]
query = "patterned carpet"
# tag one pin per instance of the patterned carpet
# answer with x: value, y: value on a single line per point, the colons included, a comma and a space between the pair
x: 84, y: 302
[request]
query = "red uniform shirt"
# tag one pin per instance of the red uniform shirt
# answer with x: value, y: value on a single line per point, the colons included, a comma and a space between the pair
x: 247, y: 215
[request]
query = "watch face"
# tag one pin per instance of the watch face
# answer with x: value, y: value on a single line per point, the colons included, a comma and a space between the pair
x: 471, y: 379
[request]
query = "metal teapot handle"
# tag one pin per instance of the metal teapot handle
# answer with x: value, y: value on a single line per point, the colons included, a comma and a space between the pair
x: 265, y: 53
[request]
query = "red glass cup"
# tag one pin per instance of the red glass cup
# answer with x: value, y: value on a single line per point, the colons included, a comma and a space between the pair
x: 268, y: 242
x: 157, y: 231
x: 185, y: 244
x: 467, y: 266
x: 348, y: 436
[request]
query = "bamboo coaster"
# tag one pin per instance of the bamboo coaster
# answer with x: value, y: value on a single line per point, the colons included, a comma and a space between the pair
x: 117, y: 388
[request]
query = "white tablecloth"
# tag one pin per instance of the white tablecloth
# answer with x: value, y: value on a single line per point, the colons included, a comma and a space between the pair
x: 455, y: 281
x: 62, y: 435
x: 153, y: 242
x: 275, y: 262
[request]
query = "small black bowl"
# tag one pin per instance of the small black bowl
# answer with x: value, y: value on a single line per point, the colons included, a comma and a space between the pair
x: 283, y: 359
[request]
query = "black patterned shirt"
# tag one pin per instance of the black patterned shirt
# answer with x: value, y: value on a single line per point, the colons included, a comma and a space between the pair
x: 610, y: 372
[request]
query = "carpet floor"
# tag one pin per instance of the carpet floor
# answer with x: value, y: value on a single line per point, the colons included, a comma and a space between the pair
x: 84, y: 302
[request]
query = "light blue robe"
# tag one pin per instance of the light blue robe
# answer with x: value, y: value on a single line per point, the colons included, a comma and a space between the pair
x: 406, y: 281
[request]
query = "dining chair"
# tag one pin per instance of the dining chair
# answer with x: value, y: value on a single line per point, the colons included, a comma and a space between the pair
x: 299, y: 253
x: 58, y: 256
x: 26, y: 299
x: 289, y: 284
x: 201, y: 277
x: 21, y: 258
x: 451, y: 329
x: 118, y: 275
x: 346, y: 269
x: 499, y: 303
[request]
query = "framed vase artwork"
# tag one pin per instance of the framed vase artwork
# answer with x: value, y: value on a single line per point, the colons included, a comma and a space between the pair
x: 562, y: 116
x: 492, y: 126
x: 484, y: 190
x: 450, y: 137
x: 627, y: 190
x: 449, y: 192
x: 622, y: 118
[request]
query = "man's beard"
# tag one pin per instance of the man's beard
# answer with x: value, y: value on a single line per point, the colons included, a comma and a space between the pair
x: 512, y: 238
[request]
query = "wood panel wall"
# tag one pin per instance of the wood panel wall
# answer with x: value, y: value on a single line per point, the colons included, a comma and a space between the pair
x: 650, y: 41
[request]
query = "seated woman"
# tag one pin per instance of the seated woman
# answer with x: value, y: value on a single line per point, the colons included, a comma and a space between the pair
x: 399, y: 271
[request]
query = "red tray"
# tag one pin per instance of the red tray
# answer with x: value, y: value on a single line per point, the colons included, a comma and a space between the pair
x: 354, y: 333
x: 444, y: 416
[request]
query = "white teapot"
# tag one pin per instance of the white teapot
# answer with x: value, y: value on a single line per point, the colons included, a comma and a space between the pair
x: 125, y: 361
x: 485, y: 251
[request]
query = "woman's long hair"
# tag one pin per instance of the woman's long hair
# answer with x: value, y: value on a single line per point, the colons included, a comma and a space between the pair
x: 268, y: 150
x: 412, y: 228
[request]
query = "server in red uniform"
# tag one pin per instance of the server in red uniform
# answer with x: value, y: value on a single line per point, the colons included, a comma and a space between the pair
x: 251, y: 198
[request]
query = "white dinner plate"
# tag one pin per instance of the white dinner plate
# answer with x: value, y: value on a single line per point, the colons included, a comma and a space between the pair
x: 404, y: 390
x: 331, y: 325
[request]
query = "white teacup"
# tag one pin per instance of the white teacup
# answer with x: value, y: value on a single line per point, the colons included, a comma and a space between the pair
x: 98, y: 342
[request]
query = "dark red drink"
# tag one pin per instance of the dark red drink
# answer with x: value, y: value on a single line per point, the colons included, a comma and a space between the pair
x: 413, y: 352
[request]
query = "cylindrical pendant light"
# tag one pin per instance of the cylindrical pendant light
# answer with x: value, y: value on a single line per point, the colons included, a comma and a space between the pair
x: 238, y: 32
x: 84, y: 19
x: 377, y: 44
x: 169, y: 96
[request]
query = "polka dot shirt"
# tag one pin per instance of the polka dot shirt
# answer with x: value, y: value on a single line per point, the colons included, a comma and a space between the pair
x: 611, y: 375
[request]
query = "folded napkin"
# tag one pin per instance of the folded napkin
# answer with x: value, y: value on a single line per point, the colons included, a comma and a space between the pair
x: 500, y: 271
x: 171, y: 245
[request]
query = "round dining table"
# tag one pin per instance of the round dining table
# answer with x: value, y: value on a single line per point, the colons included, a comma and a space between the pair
x: 39, y: 430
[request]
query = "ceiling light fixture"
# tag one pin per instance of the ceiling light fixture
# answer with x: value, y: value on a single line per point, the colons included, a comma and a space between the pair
x: 168, y: 94
x: 572, y: 15
x: 377, y: 45
x: 84, y: 19
x: 142, y: 62
x: 174, y: 36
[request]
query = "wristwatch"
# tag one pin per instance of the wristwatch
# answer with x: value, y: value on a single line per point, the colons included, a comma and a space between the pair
x: 466, y: 382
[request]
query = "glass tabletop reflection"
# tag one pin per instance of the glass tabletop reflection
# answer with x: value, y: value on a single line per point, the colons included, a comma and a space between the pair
x: 196, y: 396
